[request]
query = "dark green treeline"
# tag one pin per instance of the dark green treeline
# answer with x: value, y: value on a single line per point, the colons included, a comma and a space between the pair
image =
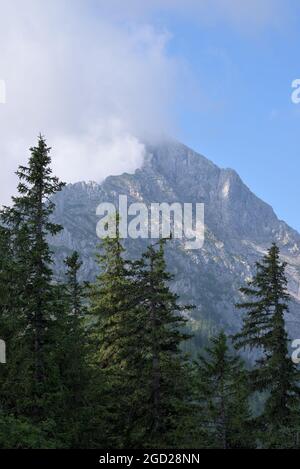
x: 102, y: 365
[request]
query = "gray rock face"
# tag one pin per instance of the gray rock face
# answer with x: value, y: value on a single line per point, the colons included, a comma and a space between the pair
x: 239, y: 227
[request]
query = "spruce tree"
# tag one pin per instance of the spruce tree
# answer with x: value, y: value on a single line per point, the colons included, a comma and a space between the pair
x: 264, y: 329
x: 76, y: 292
x: 8, y: 291
x: 10, y: 317
x: 223, y: 397
x: 138, y: 333
x: 109, y: 309
x: 35, y: 318
x: 73, y: 359
x: 162, y: 390
x: 108, y: 300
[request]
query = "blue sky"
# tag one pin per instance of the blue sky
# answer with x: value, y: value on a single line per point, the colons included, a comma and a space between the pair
x: 247, y: 120
x: 96, y: 77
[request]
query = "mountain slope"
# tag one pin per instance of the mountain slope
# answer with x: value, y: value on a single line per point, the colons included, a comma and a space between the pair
x: 239, y: 229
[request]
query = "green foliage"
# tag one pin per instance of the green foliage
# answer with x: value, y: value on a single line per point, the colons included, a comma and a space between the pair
x: 137, y: 332
x: 33, y: 328
x: 21, y: 433
x: 104, y: 365
x: 72, y: 361
x: 223, y: 397
x: 32, y: 306
x: 162, y: 392
x: 264, y: 329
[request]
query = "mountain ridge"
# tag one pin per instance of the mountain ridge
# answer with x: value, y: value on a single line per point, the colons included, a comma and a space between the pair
x: 239, y: 229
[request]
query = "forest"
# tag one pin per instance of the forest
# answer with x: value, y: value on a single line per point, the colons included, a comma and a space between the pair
x: 102, y: 364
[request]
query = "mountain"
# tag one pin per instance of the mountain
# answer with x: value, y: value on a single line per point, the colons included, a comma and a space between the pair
x: 239, y: 227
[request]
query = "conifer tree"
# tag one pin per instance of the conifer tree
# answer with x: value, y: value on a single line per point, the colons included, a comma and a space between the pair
x: 73, y: 359
x: 8, y: 291
x: 10, y: 319
x: 162, y: 389
x: 29, y: 223
x: 223, y: 397
x: 264, y: 329
x: 110, y: 297
x: 76, y: 292
x: 138, y: 333
x: 108, y: 300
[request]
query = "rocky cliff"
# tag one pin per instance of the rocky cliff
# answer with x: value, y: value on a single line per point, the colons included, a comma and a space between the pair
x: 239, y: 227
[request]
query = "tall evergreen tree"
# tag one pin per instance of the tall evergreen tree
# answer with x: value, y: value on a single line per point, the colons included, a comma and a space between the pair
x: 76, y: 291
x: 223, y: 397
x: 139, y: 333
x: 109, y: 300
x: 264, y: 329
x: 73, y: 358
x: 110, y: 297
x: 29, y: 223
x: 162, y: 392
x: 8, y: 290
x: 10, y: 320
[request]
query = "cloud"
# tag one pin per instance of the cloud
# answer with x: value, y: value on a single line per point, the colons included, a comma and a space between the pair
x: 106, y: 149
x: 92, y: 86
x: 96, y: 78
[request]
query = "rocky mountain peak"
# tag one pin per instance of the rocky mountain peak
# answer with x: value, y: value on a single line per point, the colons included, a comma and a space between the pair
x: 239, y: 229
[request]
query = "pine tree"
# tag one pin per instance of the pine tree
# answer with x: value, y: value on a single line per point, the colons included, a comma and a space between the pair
x: 108, y: 301
x: 163, y: 382
x: 9, y: 303
x: 110, y: 297
x: 264, y: 329
x: 73, y: 359
x: 76, y: 292
x: 223, y: 397
x: 33, y: 370
x: 138, y: 332
x: 8, y: 292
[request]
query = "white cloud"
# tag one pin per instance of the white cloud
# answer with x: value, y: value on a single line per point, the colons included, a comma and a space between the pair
x: 92, y: 86
x: 106, y: 149
x: 95, y: 77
